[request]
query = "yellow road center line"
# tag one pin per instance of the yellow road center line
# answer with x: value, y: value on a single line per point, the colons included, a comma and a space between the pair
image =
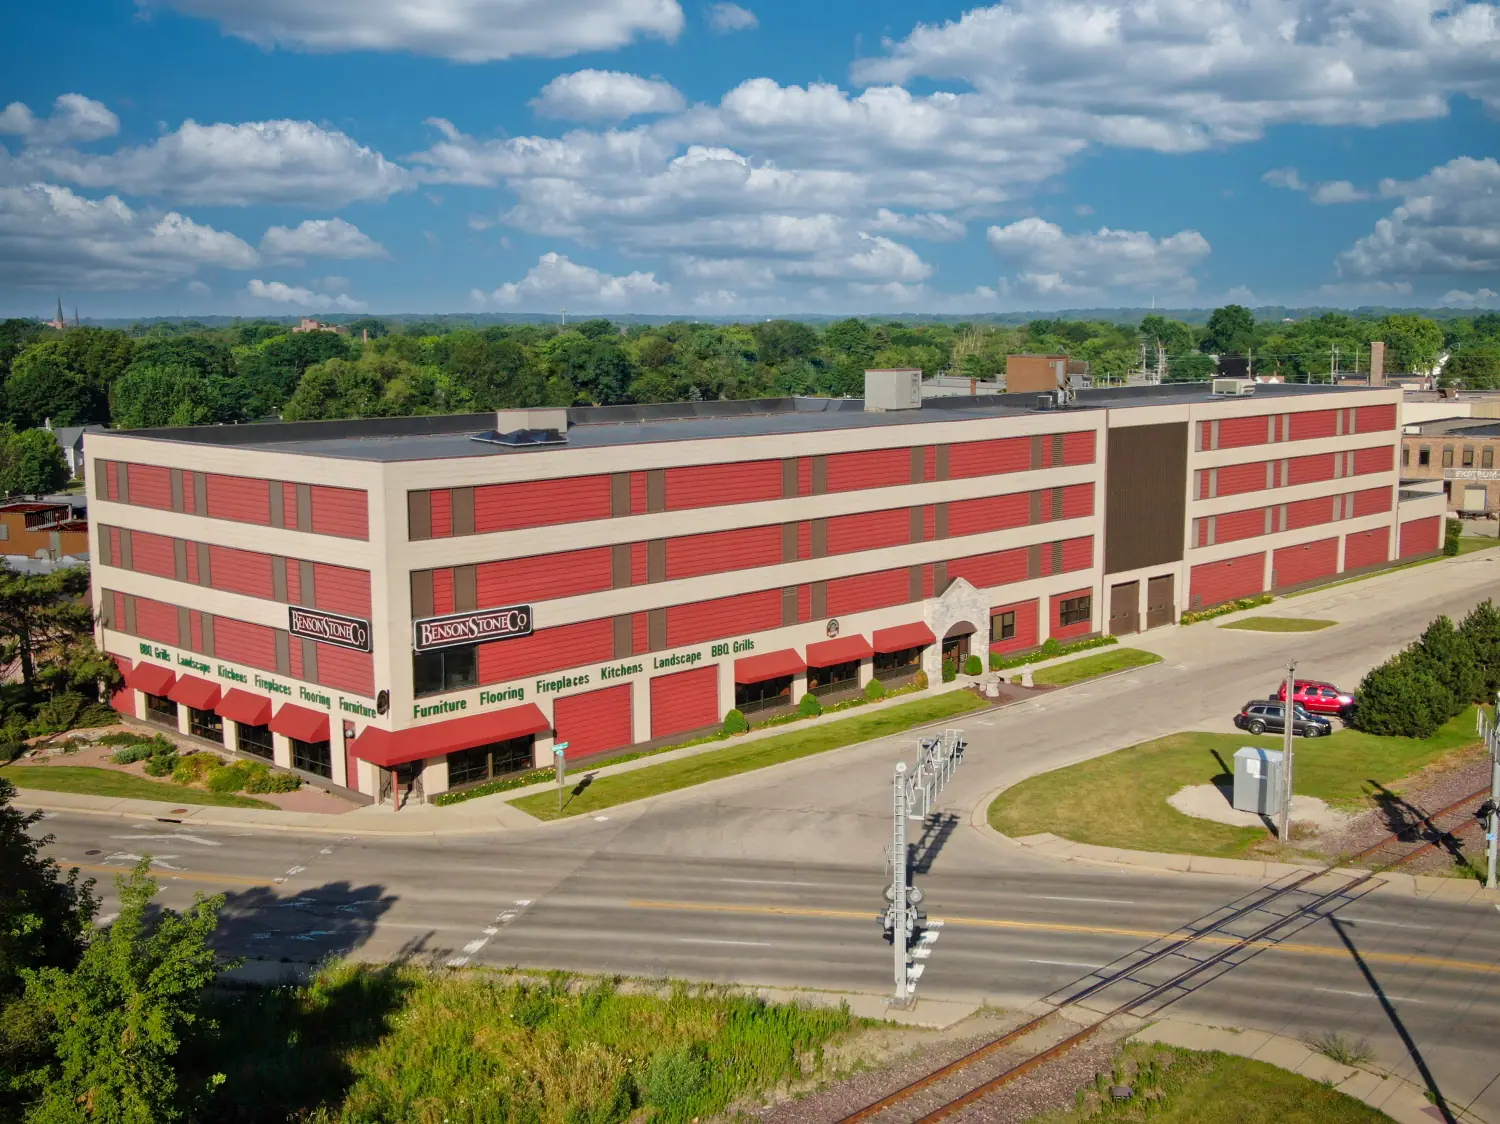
x: 1097, y: 930
x: 171, y: 875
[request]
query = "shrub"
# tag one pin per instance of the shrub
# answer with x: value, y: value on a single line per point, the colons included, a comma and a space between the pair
x: 1402, y: 698
x: 126, y: 737
x: 1452, y: 531
x: 59, y: 713
x: 267, y: 781
x: 810, y: 705
x: 230, y: 778
x: 10, y: 750
x: 1481, y: 628
x: 132, y: 753
x: 193, y: 767
x: 874, y: 690
x: 919, y: 681
x: 161, y: 764
x: 1449, y: 656
x: 1051, y: 647
x: 1194, y: 616
x: 675, y: 1078
x: 973, y: 666
x: 734, y: 722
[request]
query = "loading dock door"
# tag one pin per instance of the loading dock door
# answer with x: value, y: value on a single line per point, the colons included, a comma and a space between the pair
x: 1124, y: 608
x: 1160, y: 595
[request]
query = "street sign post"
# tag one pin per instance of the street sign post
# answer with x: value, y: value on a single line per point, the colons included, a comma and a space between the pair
x: 1490, y: 732
x: 1288, y: 713
x: 560, y: 763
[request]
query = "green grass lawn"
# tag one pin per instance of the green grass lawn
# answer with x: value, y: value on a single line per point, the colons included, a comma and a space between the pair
x: 108, y: 782
x: 1075, y: 671
x: 1120, y: 799
x: 1468, y: 544
x: 711, y: 765
x: 1174, y: 1086
x: 1278, y: 624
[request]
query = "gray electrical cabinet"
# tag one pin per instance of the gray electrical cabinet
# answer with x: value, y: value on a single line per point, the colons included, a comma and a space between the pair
x: 1257, y: 780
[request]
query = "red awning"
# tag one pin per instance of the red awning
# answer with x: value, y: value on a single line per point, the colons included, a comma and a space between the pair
x: 244, y: 708
x: 903, y: 636
x: 151, y: 678
x: 197, y: 693
x: 768, y: 665
x: 826, y: 653
x: 300, y: 723
x: 388, y: 748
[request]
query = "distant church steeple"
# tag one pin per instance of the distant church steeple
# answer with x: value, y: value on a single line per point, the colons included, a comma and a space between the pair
x: 58, y: 322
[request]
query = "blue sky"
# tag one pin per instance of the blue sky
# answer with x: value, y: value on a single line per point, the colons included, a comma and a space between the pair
x: 282, y: 156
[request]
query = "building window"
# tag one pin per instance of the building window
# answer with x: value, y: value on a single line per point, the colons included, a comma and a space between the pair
x: 255, y: 740
x: 1076, y: 610
x: 1405, y: 455
x: 1424, y: 456
x: 205, y: 724
x: 447, y: 669
x: 1468, y: 456
x: 1002, y: 627
x: 1487, y: 457
x: 768, y: 693
x: 1447, y: 456
x: 898, y: 665
x: 497, y: 759
x: 312, y: 757
x: 161, y: 709
x: 835, y: 677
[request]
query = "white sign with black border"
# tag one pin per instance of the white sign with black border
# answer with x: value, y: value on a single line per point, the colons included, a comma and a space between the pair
x: 329, y: 628
x: 455, y: 629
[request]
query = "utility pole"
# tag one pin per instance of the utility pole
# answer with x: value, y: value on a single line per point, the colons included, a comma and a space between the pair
x: 1491, y: 735
x: 898, y: 883
x: 1288, y: 711
x: 1333, y: 363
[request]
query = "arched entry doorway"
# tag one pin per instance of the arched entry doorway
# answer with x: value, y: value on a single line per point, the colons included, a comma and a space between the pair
x: 957, y: 644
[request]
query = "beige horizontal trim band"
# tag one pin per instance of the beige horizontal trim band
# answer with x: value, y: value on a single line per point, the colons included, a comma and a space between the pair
x: 1292, y: 493
x: 301, y: 545
x: 1282, y: 450
x: 1262, y: 543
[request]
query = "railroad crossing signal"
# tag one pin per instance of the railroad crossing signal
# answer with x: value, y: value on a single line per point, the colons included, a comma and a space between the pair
x: 560, y: 763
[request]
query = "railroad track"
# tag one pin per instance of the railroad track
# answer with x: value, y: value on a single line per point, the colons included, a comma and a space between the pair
x: 1212, y: 944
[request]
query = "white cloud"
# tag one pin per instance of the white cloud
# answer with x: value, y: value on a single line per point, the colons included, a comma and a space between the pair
x: 931, y: 225
x: 462, y: 30
x: 724, y: 18
x: 1284, y: 177
x: 233, y: 165
x: 278, y: 292
x: 1083, y: 210
x: 1338, y: 191
x: 1377, y: 291
x: 1480, y: 298
x: 557, y: 281
x: 199, y: 288
x: 51, y: 237
x: 1050, y: 262
x: 605, y: 95
x: 1448, y: 222
x: 74, y: 118
x: 320, y: 238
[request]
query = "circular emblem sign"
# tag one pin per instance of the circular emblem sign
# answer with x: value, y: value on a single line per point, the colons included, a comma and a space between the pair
x: 833, y: 628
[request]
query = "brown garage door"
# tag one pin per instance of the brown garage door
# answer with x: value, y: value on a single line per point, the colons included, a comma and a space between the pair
x: 1160, y: 594
x: 1124, y: 608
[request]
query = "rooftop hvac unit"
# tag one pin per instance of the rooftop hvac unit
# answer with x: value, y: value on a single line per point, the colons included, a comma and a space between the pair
x: 1233, y: 388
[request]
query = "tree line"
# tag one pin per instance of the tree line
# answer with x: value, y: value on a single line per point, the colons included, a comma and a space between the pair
x: 186, y: 373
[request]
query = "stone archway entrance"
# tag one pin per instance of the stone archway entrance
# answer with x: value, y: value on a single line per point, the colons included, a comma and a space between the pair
x: 960, y: 621
x: 956, y: 644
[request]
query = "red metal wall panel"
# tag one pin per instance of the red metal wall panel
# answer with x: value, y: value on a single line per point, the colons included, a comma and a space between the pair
x: 1379, y: 458
x: 1026, y: 631
x: 1293, y: 565
x: 1236, y: 433
x: 1078, y: 448
x: 288, y: 502
x: 240, y: 571
x: 150, y: 486
x: 724, y: 616
x: 640, y: 633
x: 1234, y: 525
x: 720, y: 551
x: 713, y: 485
x: 294, y: 583
x: 442, y: 592
x: 549, y: 649
x: 540, y: 503
x: 1311, y: 513
x: 929, y: 523
x: 1371, y: 419
x: 152, y: 554
x: 1237, y: 479
x: 1308, y: 470
x: 1078, y: 554
x: 1213, y: 583
x: 869, y: 530
x: 595, y: 722
x: 1069, y: 632
x: 804, y: 540
x: 294, y: 662
x: 112, y: 472
x: 119, y: 616
x: 1421, y: 536
x: 637, y: 563
x: 1367, y: 548
x: 929, y: 463
x: 868, y: 591
x: 344, y: 512
x: 440, y: 502
x: 195, y: 629
x: 339, y: 589
x: 989, y: 513
x: 688, y: 700
x: 1078, y: 501
x: 345, y: 669
x: 241, y: 642
x: 1372, y: 501
x: 1000, y: 567
x: 874, y: 468
x: 986, y: 458
x: 156, y: 620
x: 239, y: 498
x: 1308, y: 424
x: 543, y: 577
x: 804, y: 476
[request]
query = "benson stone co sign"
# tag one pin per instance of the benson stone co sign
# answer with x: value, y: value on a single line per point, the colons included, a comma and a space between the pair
x: 471, y: 628
x: 329, y: 628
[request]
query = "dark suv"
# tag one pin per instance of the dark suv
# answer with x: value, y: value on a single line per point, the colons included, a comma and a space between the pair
x: 1262, y: 715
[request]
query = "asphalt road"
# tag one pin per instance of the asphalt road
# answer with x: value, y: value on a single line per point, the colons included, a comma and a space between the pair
x: 775, y: 878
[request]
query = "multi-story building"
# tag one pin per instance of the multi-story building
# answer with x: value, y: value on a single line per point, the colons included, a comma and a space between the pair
x: 448, y: 597
x: 1461, y: 453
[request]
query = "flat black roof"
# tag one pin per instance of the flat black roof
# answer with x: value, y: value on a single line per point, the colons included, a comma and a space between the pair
x: 432, y: 437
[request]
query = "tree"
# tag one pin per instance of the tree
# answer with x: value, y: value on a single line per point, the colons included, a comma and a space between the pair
x: 1175, y: 336
x: 121, y: 1014
x: 33, y: 463
x: 152, y: 394
x: 1481, y: 628
x: 40, y: 614
x: 1476, y: 367
x: 43, y: 384
x: 1402, y: 698
x: 1230, y: 331
x: 1446, y: 652
x: 783, y: 341
x: 1412, y: 343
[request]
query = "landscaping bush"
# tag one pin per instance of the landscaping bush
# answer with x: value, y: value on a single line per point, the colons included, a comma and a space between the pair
x: 503, y: 784
x: 1194, y: 616
x: 919, y: 681
x: 137, y: 748
x: 973, y: 666
x: 1000, y: 663
x: 193, y: 767
x: 1051, y: 648
x: 126, y: 737
x: 950, y: 671
x: 131, y: 753
x: 1402, y: 698
x: 264, y: 780
x: 10, y: 750
x: 1450, y: 657
x: 58, y: 713
x: 1481, y: 628
x: 810, y: 706
x: 161, y: 764
x: 231, y: 778
x: 734, y: 722
x: 874, y: 690
x: 1452, y: 531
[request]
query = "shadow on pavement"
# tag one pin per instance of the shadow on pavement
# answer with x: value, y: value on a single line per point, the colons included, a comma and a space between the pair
x: 1412, y: 823
x: 268, y: 927
x: 936, y: 831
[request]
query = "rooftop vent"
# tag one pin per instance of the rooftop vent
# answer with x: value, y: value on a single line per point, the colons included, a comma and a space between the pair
x: 1233, y: 388
x: 523, y: 438
x: 893, y: 388
x: 528, y: 428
